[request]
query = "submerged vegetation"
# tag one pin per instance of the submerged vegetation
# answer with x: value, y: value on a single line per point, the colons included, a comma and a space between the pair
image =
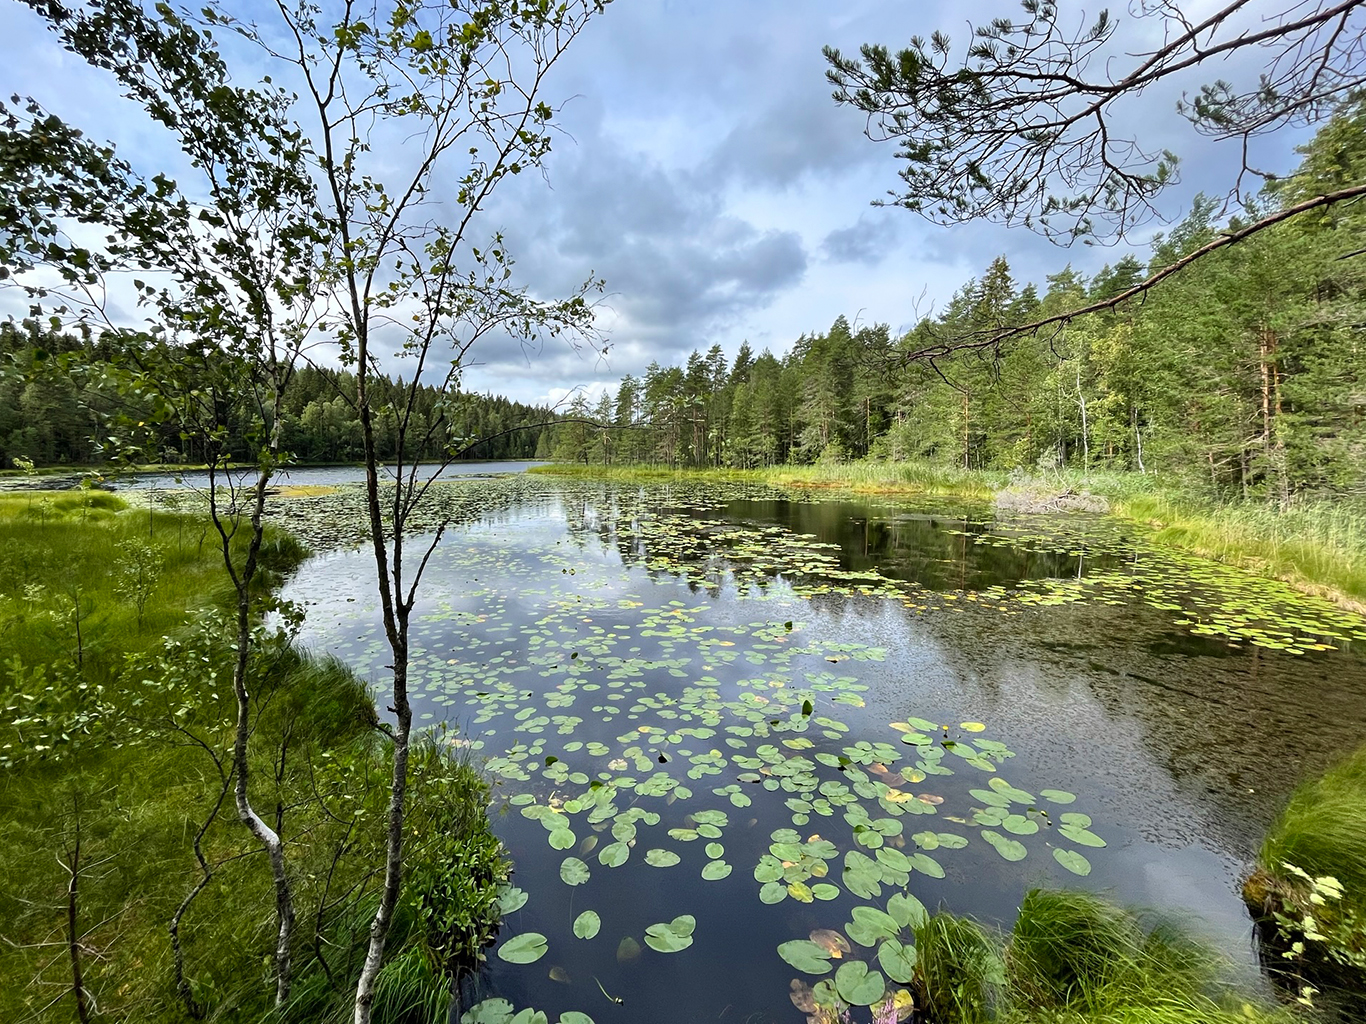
x: 130, y: 886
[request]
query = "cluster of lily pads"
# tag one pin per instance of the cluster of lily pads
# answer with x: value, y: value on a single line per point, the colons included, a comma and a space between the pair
x: 647, y: 735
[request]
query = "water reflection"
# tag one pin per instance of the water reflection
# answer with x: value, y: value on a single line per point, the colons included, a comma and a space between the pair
x: 1182, y: 746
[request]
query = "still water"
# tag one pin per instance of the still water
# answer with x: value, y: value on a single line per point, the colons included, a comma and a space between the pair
x: 759, y: 711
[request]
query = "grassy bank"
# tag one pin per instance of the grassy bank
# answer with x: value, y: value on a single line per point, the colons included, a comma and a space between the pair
x: 859, y: 477
x: 1070, y: 957
x: 1308, y: 891
x: 116, y: 805
x: 1318, y: 546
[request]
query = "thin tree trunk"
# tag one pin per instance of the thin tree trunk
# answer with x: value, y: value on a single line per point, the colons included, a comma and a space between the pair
x: 73, y: 935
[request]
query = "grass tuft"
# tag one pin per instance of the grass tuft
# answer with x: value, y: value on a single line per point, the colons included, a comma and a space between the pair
x: 959, y: 972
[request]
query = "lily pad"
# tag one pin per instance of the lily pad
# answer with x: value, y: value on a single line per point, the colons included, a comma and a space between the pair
x: 587, y: 924
x: 658, y: 858
x: 857, y: 985
x: 897, y: 960
x: 671, y: 937
x: 1072, y: 861
x: 573, y: 871
x: 526, y: 948
x: 806, y: 956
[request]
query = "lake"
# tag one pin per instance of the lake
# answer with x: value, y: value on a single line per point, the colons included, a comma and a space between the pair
x: 296, y: 476
x: 721, y: 717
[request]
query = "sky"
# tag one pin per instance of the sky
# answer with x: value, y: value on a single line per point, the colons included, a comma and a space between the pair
x: 705, y: 173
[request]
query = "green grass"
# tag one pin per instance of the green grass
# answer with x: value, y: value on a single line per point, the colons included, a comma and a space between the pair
x: 859, y: 477
x: 959, y: 970
x: 112, y: 738
x: 1323, y: 829
x: 1074, y: 958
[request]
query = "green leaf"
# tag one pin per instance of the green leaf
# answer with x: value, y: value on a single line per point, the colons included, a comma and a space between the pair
x: 1072, y: 861
x: 715, y: 870
x: 897, y: 960
x: 1080, y: 835
x: 671, y: 937
x: 1007, y: 848
x: 573, y: 871
x: 586, y: 925
x: 575, y: 1017
x: 490, y: 1011
x: 526, y: 948
x: 806, y: 956
x: 511, y: 899
x: 907, y: 911
x: 658, y: 858
x: 857, y: 985
x: 614, y: 855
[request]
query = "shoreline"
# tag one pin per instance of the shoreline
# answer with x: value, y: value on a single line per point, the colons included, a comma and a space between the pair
x: 1325, y: 559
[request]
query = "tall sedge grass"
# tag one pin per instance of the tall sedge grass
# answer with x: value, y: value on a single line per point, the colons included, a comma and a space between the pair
x: 1323, y: 830
x: 1073, y: 958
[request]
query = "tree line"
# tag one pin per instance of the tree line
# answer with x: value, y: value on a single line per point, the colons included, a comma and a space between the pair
x: 1245, y: 371
x: 61, y: 399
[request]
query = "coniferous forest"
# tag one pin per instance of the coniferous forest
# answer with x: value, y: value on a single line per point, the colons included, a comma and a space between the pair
x: 1245, y: 372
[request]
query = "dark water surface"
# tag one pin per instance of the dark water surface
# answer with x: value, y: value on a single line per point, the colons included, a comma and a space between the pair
x: 738, y: 662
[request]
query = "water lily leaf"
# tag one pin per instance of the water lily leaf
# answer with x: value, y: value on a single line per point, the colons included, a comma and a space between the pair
x: 627, y: 949
x: 558, y: 973
x: 871, y: 925
x: 806, y: 956
x: 562, y: 839
x: 1080, y: 835
x: 966, y: 727
x: 1072, y: 861
x: 927, y: 865
x: 1018, y: 824
x: 1007, y: 848
x: 614, y: 855
x: 832, y: 941
x: 526, y: 948
x: 825, y: 891
x: 897, y: 960
x: 586, y: 925
x: 715, y: 870
x: 671, y: 937
x: 573, y: 871
x: 769, y: 869
x: 530, y: 1016
x: 1003, y: 787
x: 658, y: 858
x: 1057, y: 796
x: 715, y: 851
x: 772, y: 892
x: 857, y: 985
x: 907, y: 911
x: 575, y: 1017
x: 490, y: 1011
x: 512, y: 899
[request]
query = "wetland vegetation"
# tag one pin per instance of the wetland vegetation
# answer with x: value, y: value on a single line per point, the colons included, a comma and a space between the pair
x: 1006, y: 670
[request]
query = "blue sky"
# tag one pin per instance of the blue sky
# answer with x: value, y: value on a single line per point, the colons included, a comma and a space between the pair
x: 707, y: 175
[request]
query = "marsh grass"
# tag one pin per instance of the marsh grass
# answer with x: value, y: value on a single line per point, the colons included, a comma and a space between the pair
x: 1074, y: 958
x: 959, y: 971
x: 1323, y: 830
x: 112, y: 738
